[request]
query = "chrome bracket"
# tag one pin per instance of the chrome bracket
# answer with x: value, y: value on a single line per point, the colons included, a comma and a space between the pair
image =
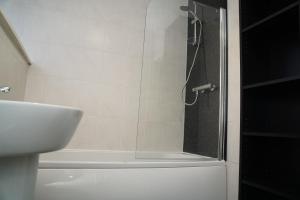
x: 205, y: 88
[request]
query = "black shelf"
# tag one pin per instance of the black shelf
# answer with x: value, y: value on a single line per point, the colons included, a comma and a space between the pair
x: 272, y: 82
x: 272, y: 163
x: 276, y: 14
x: 274, y: 108
x: 253, y: 193
x: 273, y: 134
x: 253, y: 11
x: 271, y: 51
x: 268, y: 189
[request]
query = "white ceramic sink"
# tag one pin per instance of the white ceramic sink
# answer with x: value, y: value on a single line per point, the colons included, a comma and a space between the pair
x: 27, y: 129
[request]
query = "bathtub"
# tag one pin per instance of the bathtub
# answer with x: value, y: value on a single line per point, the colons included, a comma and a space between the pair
x: 119, y: 175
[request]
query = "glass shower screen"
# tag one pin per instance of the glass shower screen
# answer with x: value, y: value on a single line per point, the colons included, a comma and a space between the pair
x: 183, y: 84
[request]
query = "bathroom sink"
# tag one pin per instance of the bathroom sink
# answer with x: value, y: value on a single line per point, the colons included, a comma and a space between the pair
x: 26, y: 130
x: 29, y: 128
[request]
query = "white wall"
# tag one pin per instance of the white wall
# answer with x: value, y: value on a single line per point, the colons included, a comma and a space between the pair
x: 161, y: 117
x: 13, y: 69
x: 233, y: 132
x: 88, y: 54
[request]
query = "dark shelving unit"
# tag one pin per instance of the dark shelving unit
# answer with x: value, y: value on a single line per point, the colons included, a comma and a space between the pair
x: 270, y: 108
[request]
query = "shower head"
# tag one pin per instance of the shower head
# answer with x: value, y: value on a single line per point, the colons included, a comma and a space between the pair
x: 187, y: 9
x: 193, y: 21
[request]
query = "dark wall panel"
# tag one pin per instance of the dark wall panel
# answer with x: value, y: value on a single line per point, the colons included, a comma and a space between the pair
x: 202, y: 119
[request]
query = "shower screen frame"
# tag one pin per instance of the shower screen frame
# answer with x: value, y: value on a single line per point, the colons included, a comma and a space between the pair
x: 223, y: 91
x: 223, y: 86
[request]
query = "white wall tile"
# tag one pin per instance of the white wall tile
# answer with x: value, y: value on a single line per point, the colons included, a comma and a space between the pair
x: 233, y: 129
x: 13, y: 69
x: 161, y: 110
x: 86, y: 130
x: 35, y: 87
x: 105, y: 133
x: 61, y: 91
x: 233, y: 61
x: 233, y: 142
x: 119, y: 101
x: 163, y: 75
x: 160, y: 136
x: 232, y: 181
x: 233, y: 82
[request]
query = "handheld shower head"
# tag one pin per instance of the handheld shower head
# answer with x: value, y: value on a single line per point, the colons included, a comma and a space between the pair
x: 194, y: 21
x: 187, y: 9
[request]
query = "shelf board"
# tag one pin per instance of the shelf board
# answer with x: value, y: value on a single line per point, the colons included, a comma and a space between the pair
x: 271, y: 82
x: 254, y: 25
x: 268, y: 189
x: 272, y: 134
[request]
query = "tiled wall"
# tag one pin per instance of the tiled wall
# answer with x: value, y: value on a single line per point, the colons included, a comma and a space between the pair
x: 233, y: 132
x: 88, y: 54
x: 161, y: 116
x: 13, y: 69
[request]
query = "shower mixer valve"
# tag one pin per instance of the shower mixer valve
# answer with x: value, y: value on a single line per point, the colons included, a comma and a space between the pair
x: 205, y: 88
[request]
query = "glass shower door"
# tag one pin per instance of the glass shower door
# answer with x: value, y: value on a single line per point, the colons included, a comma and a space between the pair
x: 161, y: 112
x: 183, y: 83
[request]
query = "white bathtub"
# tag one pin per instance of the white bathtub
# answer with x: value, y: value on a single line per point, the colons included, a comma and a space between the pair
x: 114, y: 175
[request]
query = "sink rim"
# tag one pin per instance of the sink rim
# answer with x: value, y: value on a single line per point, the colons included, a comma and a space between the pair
x: 32, y: 128
x: 41, y: 105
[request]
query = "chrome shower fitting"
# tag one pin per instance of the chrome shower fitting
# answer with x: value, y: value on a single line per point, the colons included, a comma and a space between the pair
x: 194, y: 21
x: 5, y: 89
x: 205, y: 88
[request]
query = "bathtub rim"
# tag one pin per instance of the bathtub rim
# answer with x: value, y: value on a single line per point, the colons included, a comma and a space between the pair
x: 73, y: 159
